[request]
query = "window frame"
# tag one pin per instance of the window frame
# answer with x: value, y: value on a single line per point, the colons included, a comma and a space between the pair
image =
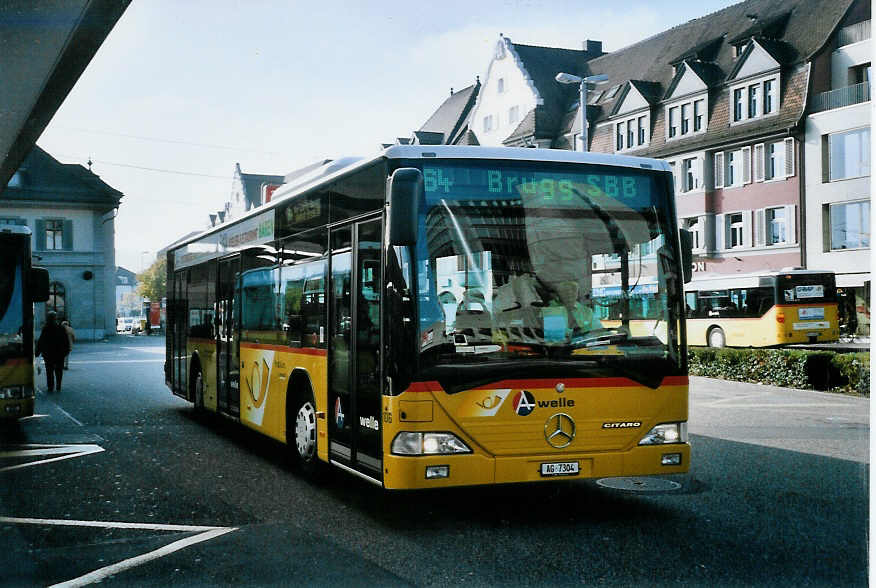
x: 771, y: 221
x: 863, y: 222
x: 632, y: 131
x: 864, y: 145
x: 735, y: 228
x: 56, y: 227
x: 751, y: 95
x: 686, y: 117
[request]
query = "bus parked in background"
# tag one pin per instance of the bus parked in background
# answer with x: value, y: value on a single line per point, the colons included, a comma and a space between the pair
x: 425, y: 317
x: 763, y: 310
x: 20, y: 286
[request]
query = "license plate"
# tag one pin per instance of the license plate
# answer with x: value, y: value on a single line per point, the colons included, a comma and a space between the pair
x: 563, y: 468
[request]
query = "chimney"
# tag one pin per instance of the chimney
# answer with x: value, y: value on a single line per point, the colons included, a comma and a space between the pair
x: 593, y: 47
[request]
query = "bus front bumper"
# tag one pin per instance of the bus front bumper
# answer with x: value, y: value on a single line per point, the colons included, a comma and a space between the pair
x: 13, y: 409
x: 474, y: 469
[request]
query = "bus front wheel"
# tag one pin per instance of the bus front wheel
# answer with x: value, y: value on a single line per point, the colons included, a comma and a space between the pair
x: 303, y: 440
x: 717, y: 338
x: 199, y: 391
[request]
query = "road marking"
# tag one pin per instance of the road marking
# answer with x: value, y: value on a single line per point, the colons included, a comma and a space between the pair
x: 98, y: 575
x: 155, y: 350
x: 33, y: 416
x: 62, y: 451
x: 68, y: 415
x: 90, y: 361
x: 788, y: 405
x: 110, y: 525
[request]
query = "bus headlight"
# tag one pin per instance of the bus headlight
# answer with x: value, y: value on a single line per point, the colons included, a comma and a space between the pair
x: 12, y: 392
x: 409, y: 443
x: 666, y: 433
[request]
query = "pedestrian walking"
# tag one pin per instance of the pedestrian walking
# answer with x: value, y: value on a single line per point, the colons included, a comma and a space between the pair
x: 71, y: 338
x: 53, y: 345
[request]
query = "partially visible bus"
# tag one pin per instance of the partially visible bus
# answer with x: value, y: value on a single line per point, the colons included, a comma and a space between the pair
x: 423, y: 318
x: 762, y: 310
x: 20, y: 286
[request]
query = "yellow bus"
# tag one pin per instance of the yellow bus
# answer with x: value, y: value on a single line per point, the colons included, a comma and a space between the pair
x: 20, y: 286
x: 425, y: 318
x: 763, y: 310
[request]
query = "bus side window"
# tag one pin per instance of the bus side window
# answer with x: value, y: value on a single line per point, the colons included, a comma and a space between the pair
x: 293, y: 296
x: 313, y: 305
x: 690, y: 300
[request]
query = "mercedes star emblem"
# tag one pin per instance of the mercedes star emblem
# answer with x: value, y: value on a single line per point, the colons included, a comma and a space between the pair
x: 559, y: 430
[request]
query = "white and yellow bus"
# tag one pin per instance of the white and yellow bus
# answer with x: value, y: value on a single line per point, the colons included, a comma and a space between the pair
x: 20, y: 286
x: 762, y: 310
x: 423, y: 318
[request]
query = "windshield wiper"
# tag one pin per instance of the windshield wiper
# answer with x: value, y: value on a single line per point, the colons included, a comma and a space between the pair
x: 599, y: 337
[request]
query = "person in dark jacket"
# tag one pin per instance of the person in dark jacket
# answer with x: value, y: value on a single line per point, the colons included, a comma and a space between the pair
x: 53, y: 345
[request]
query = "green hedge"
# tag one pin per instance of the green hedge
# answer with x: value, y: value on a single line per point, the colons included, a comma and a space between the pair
x: 819, y: 370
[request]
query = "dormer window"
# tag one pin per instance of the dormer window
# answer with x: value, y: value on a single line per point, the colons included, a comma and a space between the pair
x: 686, y: 117
x: 699, y: 108
x: 755, y: 99
x: 632, y: 132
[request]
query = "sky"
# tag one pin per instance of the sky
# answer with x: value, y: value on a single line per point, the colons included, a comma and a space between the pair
x: 183, y: 90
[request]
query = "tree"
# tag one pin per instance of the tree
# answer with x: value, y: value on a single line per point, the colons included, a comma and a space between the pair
x: 153, y: 281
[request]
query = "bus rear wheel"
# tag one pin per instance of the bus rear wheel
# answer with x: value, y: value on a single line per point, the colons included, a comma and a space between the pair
x: 717, y: 338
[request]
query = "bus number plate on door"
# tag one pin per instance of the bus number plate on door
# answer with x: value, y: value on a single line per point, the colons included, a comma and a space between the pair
x: 563, y: 468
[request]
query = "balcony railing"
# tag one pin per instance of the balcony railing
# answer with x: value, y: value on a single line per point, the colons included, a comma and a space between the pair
x: 840, y: 97
x: 853, y: 33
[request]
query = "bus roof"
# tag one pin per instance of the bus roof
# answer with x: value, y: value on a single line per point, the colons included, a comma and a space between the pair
x: 301, y: 180
x: 723, y: 282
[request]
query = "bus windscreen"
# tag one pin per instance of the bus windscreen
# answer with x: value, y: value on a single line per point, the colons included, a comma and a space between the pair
x: 544, y: 261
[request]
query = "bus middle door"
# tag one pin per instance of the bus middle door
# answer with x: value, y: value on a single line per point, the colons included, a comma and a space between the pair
x: 354, y: 344
x: 228, y: 343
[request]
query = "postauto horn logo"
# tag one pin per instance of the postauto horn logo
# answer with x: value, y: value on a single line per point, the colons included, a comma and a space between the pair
x: 524, y: 403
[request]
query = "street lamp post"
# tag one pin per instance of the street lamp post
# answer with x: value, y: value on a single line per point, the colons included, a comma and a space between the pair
x: 567, y: 78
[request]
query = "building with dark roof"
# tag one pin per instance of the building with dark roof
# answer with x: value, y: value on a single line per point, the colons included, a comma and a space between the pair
x: 449, y: 124
x: 725, y: 99
x: 248, y: 191
x: 128, y: 303
x: 71, y: 213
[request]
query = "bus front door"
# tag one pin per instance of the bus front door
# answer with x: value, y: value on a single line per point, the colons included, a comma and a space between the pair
x: 228, y: 342
x: 354, y: 358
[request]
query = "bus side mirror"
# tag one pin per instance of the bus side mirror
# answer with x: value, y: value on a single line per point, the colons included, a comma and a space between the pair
x: 405, y: 191
x: 39, y: 284
x: 686, y: 254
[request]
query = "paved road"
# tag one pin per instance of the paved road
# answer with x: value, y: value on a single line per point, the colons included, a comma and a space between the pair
x: 140, y: 492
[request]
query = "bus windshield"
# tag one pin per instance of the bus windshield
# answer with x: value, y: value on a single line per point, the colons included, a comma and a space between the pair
x: 544, y: 262
x: 11, y: 301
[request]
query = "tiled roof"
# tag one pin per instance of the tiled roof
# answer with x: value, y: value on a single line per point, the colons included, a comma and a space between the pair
x: 451, y: 118
x: 46, y: 179
x: 543, y: 64
x: 805, y: 26
x: 252, y: 185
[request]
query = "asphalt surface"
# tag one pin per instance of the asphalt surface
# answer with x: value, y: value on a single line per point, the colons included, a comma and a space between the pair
x: 118, y: 481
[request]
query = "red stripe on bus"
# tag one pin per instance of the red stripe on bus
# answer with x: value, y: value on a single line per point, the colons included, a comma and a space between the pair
x: 15, y: 361
x: 286, y: 349
x: 433, y: 386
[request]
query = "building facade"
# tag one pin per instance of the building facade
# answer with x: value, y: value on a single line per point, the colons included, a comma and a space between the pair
x: 730, y: 100
x: 71, y: 214
x: 128, y: 302
x: 837, y: 164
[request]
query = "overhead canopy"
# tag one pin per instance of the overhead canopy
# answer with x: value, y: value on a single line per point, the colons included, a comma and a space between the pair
x: 45, y: 45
